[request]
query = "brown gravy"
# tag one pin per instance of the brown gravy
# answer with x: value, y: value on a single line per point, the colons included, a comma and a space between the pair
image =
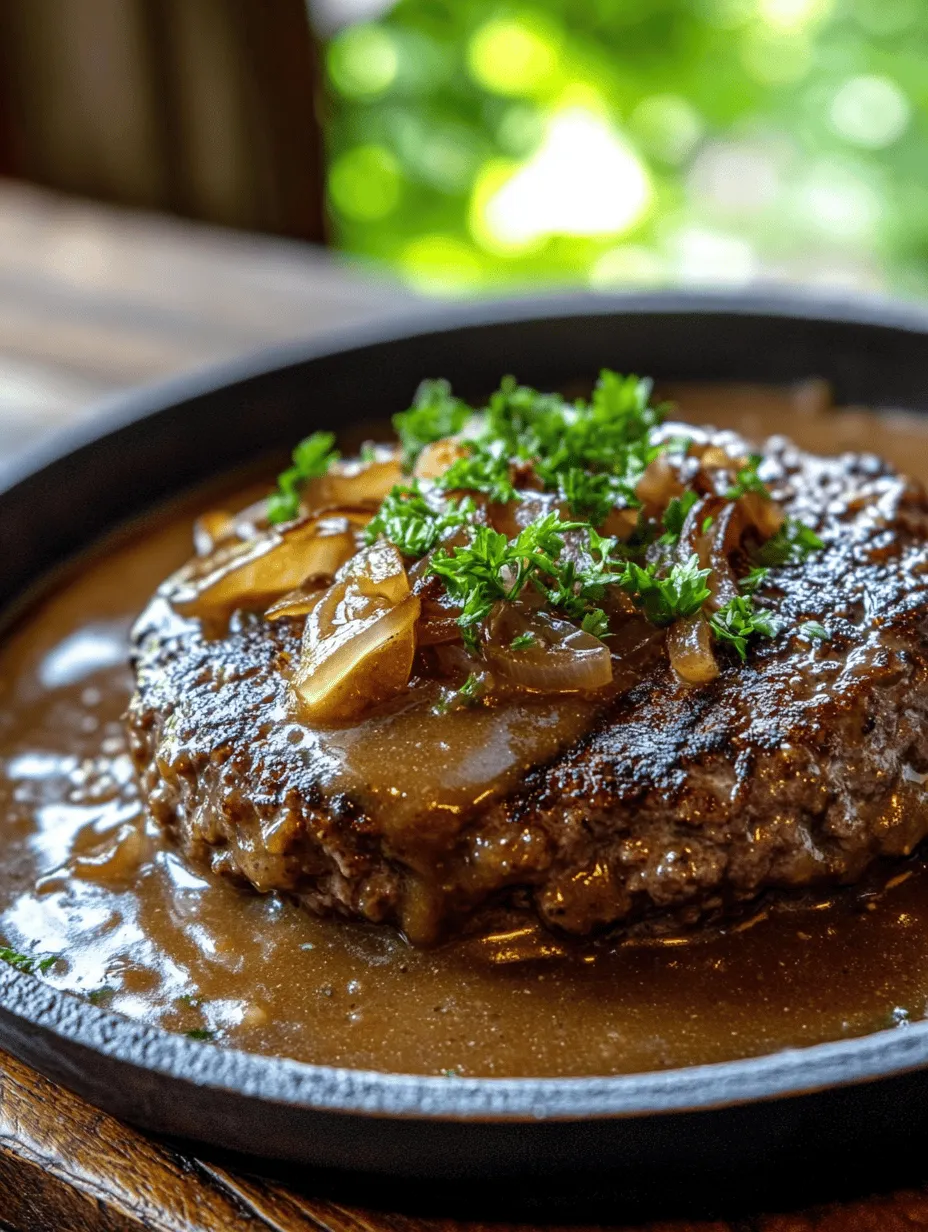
x: 86, y: 876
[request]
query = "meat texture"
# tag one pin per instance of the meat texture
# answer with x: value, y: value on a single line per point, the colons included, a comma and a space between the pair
x: 800, y: 767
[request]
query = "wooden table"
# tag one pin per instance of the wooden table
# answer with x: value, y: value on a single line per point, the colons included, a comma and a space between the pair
x: 92, y: 301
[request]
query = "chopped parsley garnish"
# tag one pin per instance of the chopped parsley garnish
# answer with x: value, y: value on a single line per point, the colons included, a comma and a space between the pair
x: 592, y: 453
x: 740, y: 620
x: 200, y: 1033
x: 471, y: 689
x: 311, y: 458
x: 412, y: 524
x: 27, y: 963
x: 675, y: 515
x: 753, y: 579
x: 681, y: 592
x: 491, y: 567
x: 435, y: 413
x: 791, y: 545
x: 748, y: 480
x: 485, y: 469
x: 100, y: 996
x: 812, y: 631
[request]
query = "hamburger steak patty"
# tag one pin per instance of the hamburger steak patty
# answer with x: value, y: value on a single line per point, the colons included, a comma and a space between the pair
x: 799, y: 767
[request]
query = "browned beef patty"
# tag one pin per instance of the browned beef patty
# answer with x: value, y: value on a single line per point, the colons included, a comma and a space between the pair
x: 799, y: 768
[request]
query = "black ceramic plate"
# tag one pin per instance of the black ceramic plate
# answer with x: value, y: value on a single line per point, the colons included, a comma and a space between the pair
x: 847, y: 1094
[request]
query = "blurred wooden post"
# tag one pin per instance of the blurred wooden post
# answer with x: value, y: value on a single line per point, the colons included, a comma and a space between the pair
x: 205, y: 108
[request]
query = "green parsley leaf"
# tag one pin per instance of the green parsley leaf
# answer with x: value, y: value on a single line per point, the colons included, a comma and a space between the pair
x: 754, y: 579
x: 99, y: 996
x: 200, y: 1033
x: 312, y: 457
x: 522, y: 641
x: 592, y: 494
x: 368, y: 452
x: 812, y: 631
x: 490, y: 568
x: 675, y: 515
x: 471, y: 689
x: 681, y: 592
x: 739, y: 620
x: 411, y: 523
x: 707, y: 523
x: 485, y: 469
x: 791, y: 545
x: 27, y: 963
x: 596, y: 622
x: 748, y: 480
x: 435, y: 413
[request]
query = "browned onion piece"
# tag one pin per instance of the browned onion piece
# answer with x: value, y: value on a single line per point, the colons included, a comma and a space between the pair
x: 764, y: 514
x: 659, y: 483
x: 620, y: 524
x: 561, y: 659
x: 378, y: 572
x: 723, y: 537
x: 253, y: 574
x: 692, y: 536
x: 689, y: 644
x: 210, y: 529
x: 436, y: 458
x: 352, y: 483
x: 293, y: 603
x: 715, y: 458
x: 358, y: 644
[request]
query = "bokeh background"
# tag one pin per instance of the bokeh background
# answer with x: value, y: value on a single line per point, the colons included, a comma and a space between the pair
x: 475, y: 145
x: 185, y: 180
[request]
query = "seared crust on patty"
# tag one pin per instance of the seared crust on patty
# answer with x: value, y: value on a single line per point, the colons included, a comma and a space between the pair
x: 798, y: 768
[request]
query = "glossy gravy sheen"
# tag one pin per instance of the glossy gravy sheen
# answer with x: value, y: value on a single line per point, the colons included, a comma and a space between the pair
x: 86, y: 876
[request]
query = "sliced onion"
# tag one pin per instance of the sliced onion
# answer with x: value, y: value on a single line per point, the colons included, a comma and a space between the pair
x: 378, y: 572
x: 294, y: 603
x: 764, y: 514
x: 357, y: 652
x: 561, y: 659
x: 352, y: 483
x: 620, y: 524
x: 253, y: 574
x: 659, y: 483
x: 438, y: 457
x: 689, y: 644
x: 211, y: 529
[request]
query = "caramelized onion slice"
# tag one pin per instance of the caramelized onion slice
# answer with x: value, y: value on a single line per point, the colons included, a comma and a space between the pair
x: 211, y: 529
x: 294, y: 603
x: 253, y: 574
x: 689, y: 644
x: 659, y: 483
x: 438, y: 457
x: 352, y: 483
x: 357, y: 652
x: 377, y: 571
x: 560, y: 659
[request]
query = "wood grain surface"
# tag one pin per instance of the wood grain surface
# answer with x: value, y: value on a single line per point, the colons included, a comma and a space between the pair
x: 65, y: 1166
x: 92, y: 300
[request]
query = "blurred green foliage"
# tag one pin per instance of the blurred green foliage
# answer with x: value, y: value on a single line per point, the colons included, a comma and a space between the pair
x: 611, y: 142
